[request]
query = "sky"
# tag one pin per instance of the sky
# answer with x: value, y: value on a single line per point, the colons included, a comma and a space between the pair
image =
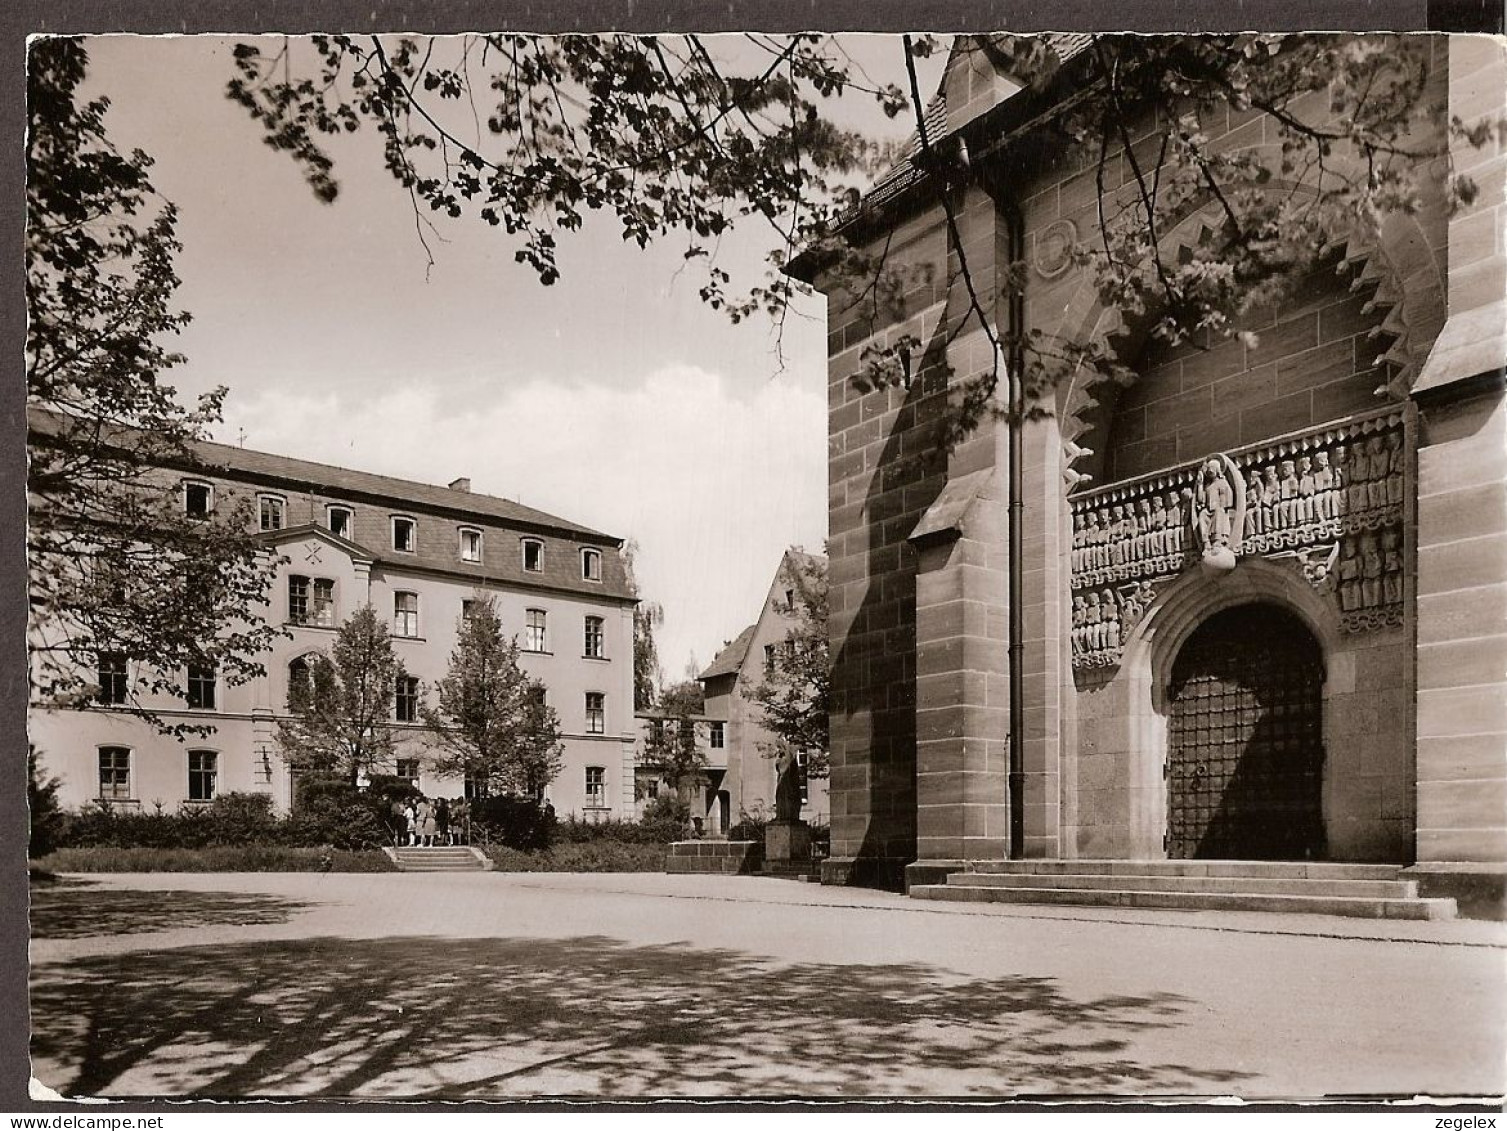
x: 614, y: 398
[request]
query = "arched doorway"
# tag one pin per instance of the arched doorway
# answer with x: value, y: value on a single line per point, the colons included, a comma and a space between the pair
x: 1245, y: 742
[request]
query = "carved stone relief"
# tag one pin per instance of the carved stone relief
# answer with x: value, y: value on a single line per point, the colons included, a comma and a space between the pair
x: 1330, y: 501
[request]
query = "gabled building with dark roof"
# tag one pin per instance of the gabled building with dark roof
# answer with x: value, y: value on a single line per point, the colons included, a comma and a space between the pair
x: 417, y: 553
x: 745, y: 777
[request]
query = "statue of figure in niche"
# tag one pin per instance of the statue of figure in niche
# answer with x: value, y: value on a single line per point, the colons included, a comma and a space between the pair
x: 1350, y: 580
x: 1323, y: 487
x: 1358, y: 494
x: 1305, y: 491
x: 1376, y: 490
x: 1158, y: 527
x: 1119, y: 527
x: 1093, y: 617
x: 1391, y: 565
x: 1271, y: 499
x: 1111, y: 621
x: 1100, y: 547
x: 1080, y: 535
x: 1133, y: 604
x: 1144, y: 528
x: 1176, y: 525
x: 1219, y: 514
x: 1288, y: 506
x: 1396, y: 458
x: 787, y: 789
x: 1342, y: 475
x: 1079, y: 620
x: 1371, y: 571
x: 1255, y: 502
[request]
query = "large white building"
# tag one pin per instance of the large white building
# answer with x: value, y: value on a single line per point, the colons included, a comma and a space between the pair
x: 417, y: 553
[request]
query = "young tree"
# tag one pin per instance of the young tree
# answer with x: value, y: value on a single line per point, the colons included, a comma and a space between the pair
x: 647, y: 616
x: 795, y: 695
x: 342, y: 725
x: 492, y: 723
x: 672, y: 749
x: 118, y: 572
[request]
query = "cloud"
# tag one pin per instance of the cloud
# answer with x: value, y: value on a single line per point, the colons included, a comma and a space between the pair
x: 712, y: 485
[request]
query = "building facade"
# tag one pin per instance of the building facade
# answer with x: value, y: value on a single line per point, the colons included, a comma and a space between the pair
x: 417, y: 554
x: 747, y: 785
x: 1262, y: 580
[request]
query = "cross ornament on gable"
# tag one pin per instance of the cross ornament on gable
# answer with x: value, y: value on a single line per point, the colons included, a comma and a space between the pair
x: 312, y: 549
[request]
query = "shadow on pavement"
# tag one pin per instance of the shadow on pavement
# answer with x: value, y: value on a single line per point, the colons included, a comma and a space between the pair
x: 75, y: 909
x: 441, y: 1018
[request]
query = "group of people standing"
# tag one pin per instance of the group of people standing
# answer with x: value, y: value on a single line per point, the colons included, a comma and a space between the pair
x: 427, y: 824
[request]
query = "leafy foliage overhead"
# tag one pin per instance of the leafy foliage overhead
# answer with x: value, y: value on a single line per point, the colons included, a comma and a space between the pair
x: 117, y: 570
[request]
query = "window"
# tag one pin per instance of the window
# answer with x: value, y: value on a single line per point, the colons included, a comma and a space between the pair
x: 596, y: 787
x: 533, y: 555
x: 323, y: 611
x: 299, y: 684
x: 114, y: 773
x: 311, y: 601
x: 408, y: 769
x: 718, y: 736
x: 403, y: 532
x: 339, y: 520
x: 769, y: 654
x: 533, y: 630
x: 406, y: 703
x: 591, y: 565
x: 470, y: 544
x: 272, y: 509
x: 405, y: 614
x: 202, y: 680
x: 593, y: 638
x: 467, y: 608
x: 596, y: 712
x: 657, y: 731
x: 476, y: 788
x: 112, y: 678
x: 198, y: 499
x: 203, y: 773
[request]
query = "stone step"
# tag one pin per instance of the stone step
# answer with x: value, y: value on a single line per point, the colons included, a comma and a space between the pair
x: 1234, y: 900
x: 450, y: 858
x: 1253, y: 885
x: 1269, y: 869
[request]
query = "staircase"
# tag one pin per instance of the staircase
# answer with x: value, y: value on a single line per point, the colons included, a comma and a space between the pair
x: 442, y: 858
x: 1370, y: 891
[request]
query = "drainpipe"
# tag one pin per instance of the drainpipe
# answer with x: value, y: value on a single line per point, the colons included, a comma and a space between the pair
x: 1014, y: 361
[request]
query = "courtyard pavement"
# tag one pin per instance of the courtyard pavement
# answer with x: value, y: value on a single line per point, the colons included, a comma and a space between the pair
x: 511, y: 986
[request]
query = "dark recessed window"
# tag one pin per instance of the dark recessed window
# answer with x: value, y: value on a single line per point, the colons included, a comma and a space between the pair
x: 406, y: 702
x: 198, y: 499
x: 470, y: 544
x: 339, y: 520
x: 112, y: 678
x: 591, y: 565
x: 533, y: 555
x: 203, y: 774
x: 202, y: 682
x: 273, y: 511
x: 404, y: 534
x: 114, y: 773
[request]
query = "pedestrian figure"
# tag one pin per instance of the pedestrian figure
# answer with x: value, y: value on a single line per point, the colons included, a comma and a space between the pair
x: 442, y: 821
x: 426, y: 823
x: 411, y: 817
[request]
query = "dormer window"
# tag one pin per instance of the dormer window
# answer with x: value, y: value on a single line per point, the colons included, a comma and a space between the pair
x: 339, y: 520
x: 591, y: 565
x: 404, y: 535
x: 272, y: 510
x: 198, y: 500
x: 533, y: 555
x: 470, y: 544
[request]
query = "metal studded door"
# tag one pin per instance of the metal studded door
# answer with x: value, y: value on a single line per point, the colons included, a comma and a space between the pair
x: 1245, y: 740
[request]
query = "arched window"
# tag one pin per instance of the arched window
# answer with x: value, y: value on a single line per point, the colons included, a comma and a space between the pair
x: 300, y: 680
x: 591, y: 565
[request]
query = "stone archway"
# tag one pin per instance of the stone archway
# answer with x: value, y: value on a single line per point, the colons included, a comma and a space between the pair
x: 1245, y: 746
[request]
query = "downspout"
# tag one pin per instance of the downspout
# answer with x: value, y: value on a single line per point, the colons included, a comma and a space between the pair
x: 1015, y: 420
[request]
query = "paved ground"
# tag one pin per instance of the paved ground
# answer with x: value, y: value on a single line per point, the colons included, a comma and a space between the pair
x: 504, y: 986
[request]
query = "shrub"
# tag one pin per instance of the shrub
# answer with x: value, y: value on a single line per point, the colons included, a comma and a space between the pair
x: 333, y: 811
x: 219, y: 858
x: 585, y: 856
x: 48, y: 821
x: 749, y: 826
x: 513, y: 822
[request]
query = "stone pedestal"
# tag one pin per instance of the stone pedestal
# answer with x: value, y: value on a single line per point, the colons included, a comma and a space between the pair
x: 787, y: 840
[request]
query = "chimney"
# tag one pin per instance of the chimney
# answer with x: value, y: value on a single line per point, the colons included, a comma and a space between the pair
x: 462, y: 484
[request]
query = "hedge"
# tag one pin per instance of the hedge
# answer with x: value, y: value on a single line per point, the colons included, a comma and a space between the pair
x: 591, y: 856
x: 219, y: 858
